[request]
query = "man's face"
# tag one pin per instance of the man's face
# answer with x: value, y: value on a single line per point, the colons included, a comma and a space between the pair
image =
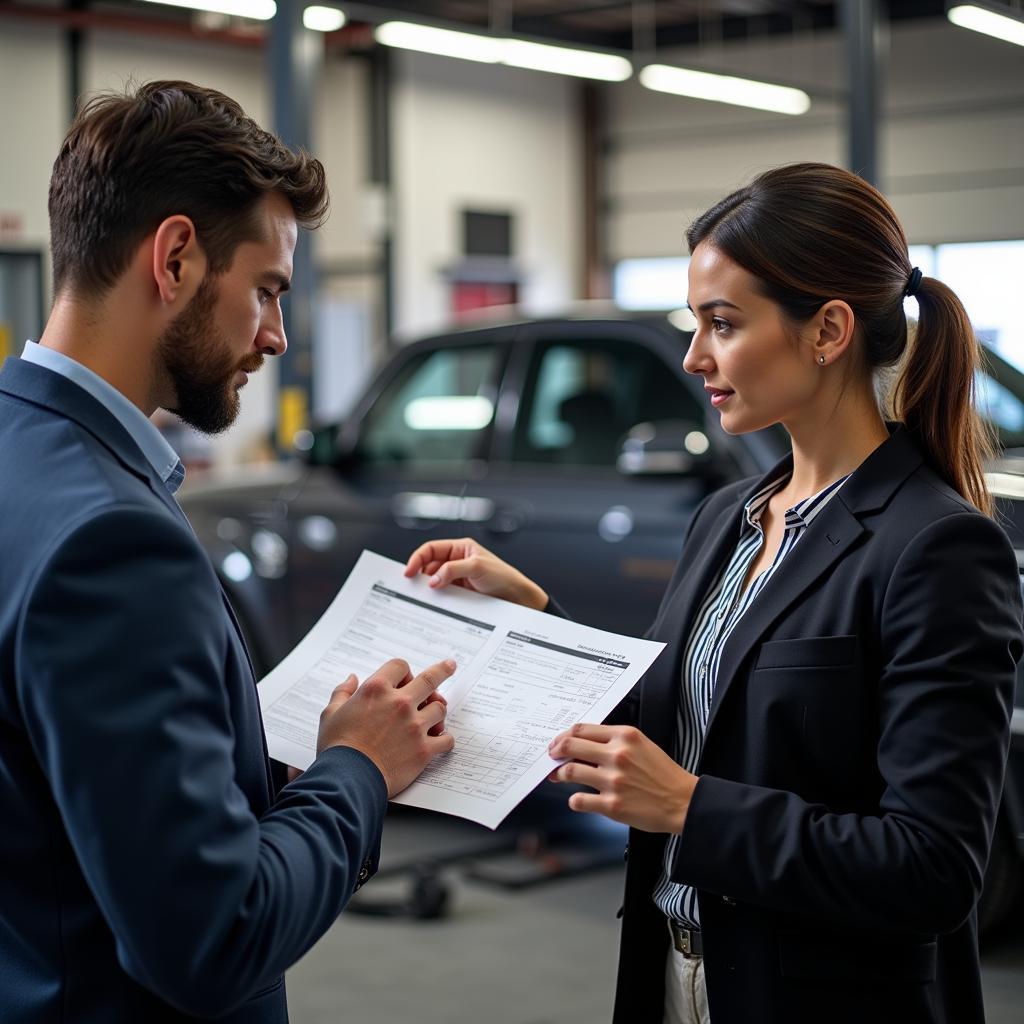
x: 231, y: 323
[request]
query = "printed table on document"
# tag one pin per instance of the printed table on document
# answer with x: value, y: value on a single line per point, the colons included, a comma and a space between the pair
x: 386, y: 622
x: 529, y: 692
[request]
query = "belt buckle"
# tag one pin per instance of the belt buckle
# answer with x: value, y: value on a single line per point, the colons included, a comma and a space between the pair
x: 686, y: 941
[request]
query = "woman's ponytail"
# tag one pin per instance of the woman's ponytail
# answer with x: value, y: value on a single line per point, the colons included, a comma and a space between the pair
x: 935, y: 393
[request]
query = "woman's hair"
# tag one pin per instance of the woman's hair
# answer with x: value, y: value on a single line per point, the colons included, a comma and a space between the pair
x: 130, y: 160
x: 813, y: 232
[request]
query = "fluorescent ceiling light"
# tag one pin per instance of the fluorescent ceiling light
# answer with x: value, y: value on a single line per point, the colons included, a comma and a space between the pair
x: 1008, y: 27
x: 445, y: 43
x: 561, y: 60
x: 519, y: 53
x: 744, y: 92
x: 262, y: 10
x: 323, y: 19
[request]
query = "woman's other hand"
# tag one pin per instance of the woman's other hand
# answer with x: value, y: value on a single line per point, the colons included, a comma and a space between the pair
x: 467, y: 564
x: 637, y: 783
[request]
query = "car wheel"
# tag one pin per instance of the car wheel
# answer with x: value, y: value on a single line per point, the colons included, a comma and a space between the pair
x: 1002, y: 881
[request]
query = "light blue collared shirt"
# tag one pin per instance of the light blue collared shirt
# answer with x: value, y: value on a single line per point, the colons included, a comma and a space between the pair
x: 160, y: 455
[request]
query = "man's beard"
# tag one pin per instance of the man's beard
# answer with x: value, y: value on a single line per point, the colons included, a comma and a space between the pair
x: 198, y: 364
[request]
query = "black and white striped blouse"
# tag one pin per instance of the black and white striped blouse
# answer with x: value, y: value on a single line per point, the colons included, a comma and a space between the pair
x: 722, y: 609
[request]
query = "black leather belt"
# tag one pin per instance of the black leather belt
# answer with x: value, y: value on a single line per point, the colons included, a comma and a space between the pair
x: 686, y: 941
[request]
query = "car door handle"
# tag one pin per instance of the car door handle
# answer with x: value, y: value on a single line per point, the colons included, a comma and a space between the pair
x: 505, y: 521
x: 416, y: 507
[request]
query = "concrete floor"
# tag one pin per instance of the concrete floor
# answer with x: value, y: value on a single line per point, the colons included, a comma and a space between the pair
x: 541, y: 955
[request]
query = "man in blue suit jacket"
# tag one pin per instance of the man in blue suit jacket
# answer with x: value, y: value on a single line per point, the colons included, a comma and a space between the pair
x: 149, y: 872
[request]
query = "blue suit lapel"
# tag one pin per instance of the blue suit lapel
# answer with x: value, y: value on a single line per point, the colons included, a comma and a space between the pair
x: 49, y: 390
x: 46, y: 389
x: 252, y: 672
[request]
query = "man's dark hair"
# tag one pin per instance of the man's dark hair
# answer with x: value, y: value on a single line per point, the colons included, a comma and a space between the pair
x: 131, y: 160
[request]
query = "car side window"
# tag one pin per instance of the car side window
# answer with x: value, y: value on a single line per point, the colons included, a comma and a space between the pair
x: 581, y: 398
x: 438, y: 408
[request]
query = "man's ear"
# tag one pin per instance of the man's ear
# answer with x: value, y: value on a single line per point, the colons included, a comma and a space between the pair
x: 179, y: 264
x: 831, y: 330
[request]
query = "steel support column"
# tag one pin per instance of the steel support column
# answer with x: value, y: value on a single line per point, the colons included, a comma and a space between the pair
x: 380, y: 177
x: 862, y: 32
x: 73, y: 47
x: 294, y: 61
x: 595, y: 283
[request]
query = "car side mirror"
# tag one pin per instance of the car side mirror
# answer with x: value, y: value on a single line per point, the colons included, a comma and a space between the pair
x: 666, y: 448
x: 317, y: 446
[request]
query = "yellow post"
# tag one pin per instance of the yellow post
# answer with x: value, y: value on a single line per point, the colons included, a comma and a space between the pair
x: 292, y: 416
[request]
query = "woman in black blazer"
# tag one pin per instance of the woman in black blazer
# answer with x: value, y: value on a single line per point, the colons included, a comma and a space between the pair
x: 815, y: 761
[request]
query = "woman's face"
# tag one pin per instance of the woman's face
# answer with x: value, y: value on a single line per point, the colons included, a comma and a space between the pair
x: 757, y: 371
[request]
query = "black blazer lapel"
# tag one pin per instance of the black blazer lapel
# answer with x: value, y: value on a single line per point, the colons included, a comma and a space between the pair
x: 661, y: 687
x: 827, y: 539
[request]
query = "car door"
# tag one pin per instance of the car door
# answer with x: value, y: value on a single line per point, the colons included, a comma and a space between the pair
x: 409, y: 456
x: 602, y: 541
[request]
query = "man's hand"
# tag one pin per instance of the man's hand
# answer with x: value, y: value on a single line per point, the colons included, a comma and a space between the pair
x: 468, y: 564
x: 394, y: 718
x: 637, y: 783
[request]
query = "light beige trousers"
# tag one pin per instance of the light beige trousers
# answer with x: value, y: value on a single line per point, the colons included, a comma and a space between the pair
x: 686, y: 997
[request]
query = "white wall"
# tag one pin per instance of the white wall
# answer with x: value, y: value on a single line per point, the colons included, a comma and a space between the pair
x: 341, y: 131
x: 33, y: 119
x: 489, y: 138
x: 32, y: 66
x: 463, y: 135
x: 952, y: 140
x: 467, y: 135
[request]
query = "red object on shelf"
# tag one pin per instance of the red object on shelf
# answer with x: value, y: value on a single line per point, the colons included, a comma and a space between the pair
x: 470, y: 295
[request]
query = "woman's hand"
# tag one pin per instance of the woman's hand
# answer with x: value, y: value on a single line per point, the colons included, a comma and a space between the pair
x: 466, y: 564
x: 637, y: 783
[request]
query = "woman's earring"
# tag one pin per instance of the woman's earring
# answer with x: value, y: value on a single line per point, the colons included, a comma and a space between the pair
x: 821, y: 359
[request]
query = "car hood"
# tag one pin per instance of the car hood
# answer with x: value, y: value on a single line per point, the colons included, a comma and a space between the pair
x: 1005, y: 475
x: 1005, y: 479
x: 274, y: 481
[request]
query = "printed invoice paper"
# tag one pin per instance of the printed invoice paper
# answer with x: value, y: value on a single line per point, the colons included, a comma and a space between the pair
x: 522, y: 678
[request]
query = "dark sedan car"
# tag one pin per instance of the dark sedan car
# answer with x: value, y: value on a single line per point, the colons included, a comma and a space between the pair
x: 576, y: 448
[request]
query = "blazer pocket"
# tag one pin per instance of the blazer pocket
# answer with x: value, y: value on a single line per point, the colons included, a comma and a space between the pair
x: 829, y: 957
x: 808, y: 652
